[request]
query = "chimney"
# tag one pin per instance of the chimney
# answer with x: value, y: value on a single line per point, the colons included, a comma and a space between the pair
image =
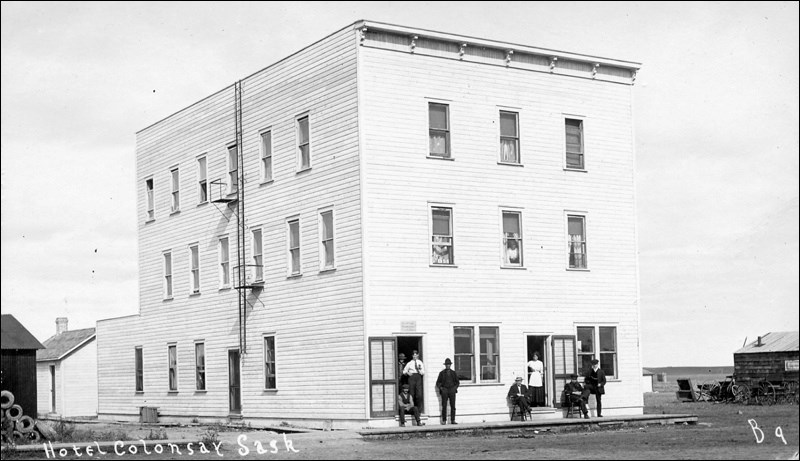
x: 759, y: 342
x: 61, y: 325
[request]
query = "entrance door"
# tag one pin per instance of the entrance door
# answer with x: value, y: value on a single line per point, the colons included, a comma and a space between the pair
x: 234, y: 386
x: 407, y: 345
x: 564, y: 361
x: 382, y: 377
x: 538, y: 345
x: 52, y: 388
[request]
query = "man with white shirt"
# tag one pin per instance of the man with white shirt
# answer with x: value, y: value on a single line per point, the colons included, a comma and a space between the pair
x: 415, y: 370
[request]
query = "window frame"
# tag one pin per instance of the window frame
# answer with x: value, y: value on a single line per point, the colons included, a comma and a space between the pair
x: 298, y: 122
x: 447, y: 130
x: 476, y: 353
x: 584, y: 243
x: 175, y: 193
x: 149, y: 199
x: 504, y: 260
x: 224, y: 273
x: 582, y: 133
x: 232, y: 162
x: 202, y: 179
x: 194, y: 272
x: 515, y: 138
x: 598, y: 351
x: 323, y: 266
x: 200, y: 368
x: 290, y: 270
x: 431, y: 237
x: 265, y: 337
x: 257, y: 258
x: 168, y: 269
x: 138, y: 366
x: 172, y: 367
x: 266, y: 165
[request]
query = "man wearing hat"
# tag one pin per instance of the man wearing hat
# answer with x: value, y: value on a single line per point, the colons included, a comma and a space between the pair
x: 405, y: 404
x: 576, y: 393
x: 517, y: 393
x: 595, y: 381
x: 401, y: 365
x: 447, y: 383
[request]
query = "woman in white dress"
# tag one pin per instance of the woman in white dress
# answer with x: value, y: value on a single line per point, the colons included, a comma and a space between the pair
x: 536, y: 381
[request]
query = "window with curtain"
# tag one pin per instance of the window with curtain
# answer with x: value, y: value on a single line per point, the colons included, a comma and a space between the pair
x: 233, y: 170
x: 258, y: 256
x: 151, y: 207
x: 224, y: 262
x: 168, y: 275
x: 303, y: 144
x: 202, y: 179
x: 442, y: 238
x: 574, y: 142
x: 173, y: 368
x: 439, y: 130
x: 577, y: 242
x: 512, y: 239
x: 326, y: 240
x: 176, y: 192
x: 294, y: 246
x: 490, y: 354
x: 195, y: 261
x: 266, y: 156
x: 509, y: 137
x: 200, y: 366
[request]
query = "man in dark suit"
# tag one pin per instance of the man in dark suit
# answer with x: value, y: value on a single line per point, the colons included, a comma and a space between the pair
x: 447, y: 383
x: 595, y: 383
x: 517, y: 393
x: 575, y: 394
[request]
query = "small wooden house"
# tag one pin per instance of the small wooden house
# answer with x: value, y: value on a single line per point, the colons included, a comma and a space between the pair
x: 67, y: 372
x: 774, y: 357
x: 18, y: 373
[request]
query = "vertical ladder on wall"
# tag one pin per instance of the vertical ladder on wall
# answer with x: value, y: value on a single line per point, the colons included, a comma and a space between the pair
x: 241, y: 233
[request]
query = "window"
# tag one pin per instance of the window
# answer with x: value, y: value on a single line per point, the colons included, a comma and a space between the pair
x: 303, y: 144
x: 258, y: 256
x: 464, y: 348
x: 202, y: 179
x: 269, y: 362
x: 167, y: 275
x: 200, y: 366
x: 512, y: 239
x: 439, y: 130
x: 509, y: 137
x: 266, y: 156
x: 176, y: 193
x: 195, y: 261
x: 172, y: 352
x: 224, y: 262
x: 576, y: 227
x: 293, y: 230
x: 606, y: 353
x: 442, y: 236
x: 326, y: 251
x: 574, y: 142
x: 151, y: 204
x: 233, y: 170
x: 139, y: 366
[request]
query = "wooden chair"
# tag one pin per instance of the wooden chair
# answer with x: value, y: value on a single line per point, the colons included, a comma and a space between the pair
x: 516, y: 411
x: 573, y: 406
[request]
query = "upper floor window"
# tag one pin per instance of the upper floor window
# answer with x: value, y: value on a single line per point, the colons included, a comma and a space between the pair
x: 224, y: 262
x: 303, y: 144
x: 194, y: 253
x: 258, y: 256
x: 487, y: 343
x: 202, y: 179
x: 439, y: 130
x: 233, y: 170
x: 576, y: 227
x: 605, y: 350
x: 509, y: 137
x: 176, y: 190
x: 172, y: 352
x: 326, y: 248
x: 293, y: 230
x: 442, y: 236
x: 574, y: 143
x: 266, y: 156
x: 167, y: 274
x: 150, y: 199
x: 512, y: 238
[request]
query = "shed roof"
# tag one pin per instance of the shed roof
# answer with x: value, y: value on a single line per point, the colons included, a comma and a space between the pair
x: 775, y: 341
x: 646, y: 372
x: 16, y: 336
x: 60, y: 345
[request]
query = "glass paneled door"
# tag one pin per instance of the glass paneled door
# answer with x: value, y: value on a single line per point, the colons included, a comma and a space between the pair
x: 382, y: 376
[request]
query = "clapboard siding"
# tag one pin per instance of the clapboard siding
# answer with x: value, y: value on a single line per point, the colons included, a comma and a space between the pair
x: 76, y: 383
x: 545, y: 298
x: 317, y: 318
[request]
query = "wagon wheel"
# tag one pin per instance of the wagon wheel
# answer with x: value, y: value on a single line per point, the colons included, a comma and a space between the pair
x: 741, y: 393
x: 714, y: 390
x: 765, y: 395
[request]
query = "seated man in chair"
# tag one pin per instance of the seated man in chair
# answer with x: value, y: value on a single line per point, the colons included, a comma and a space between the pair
x: 577, y: 394
x: 517, y: 394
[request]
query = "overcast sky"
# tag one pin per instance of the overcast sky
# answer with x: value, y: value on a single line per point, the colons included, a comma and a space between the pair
x: 716, y: 120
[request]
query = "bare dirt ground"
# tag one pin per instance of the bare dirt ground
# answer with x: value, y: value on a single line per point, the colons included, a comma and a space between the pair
x: 724, y: 431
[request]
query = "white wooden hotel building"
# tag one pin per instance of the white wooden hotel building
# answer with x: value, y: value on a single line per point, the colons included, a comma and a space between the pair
x: 382, y: 190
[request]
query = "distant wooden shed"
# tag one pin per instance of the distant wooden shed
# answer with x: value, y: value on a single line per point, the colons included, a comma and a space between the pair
x: 774, y: 356
x: 18, y: 357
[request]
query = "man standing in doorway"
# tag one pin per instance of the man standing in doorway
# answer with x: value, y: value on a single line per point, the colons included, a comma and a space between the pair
x: 595, y: 383
x: 447, y: 383
x: 415, y: 370
x: 401, y: 366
